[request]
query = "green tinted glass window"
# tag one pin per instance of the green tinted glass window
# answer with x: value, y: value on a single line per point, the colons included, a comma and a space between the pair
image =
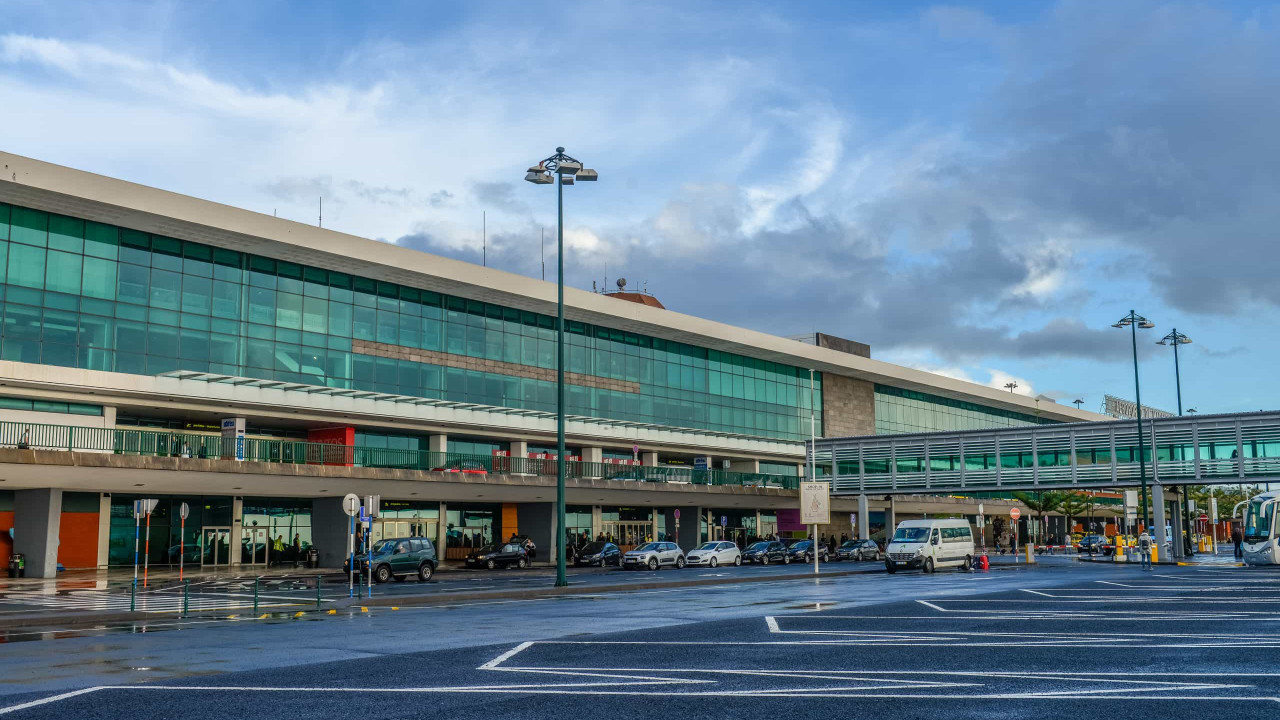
x: 26, y: 266
x: 66, y: 233
x: 99, y: 278
x: 101, y: 241
x: 29, y: 227
x: 63, y: 272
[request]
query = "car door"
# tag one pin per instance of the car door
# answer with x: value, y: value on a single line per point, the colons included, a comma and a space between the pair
x: 401, y: 557
x: 671, y: 553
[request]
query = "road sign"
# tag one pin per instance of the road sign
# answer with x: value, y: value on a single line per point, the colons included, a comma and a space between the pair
x: 1015, y: 513
x: 724, y: 521
x: 372, y: 504
x: 980, y: 509
x: 815, y: 503
x: 183, y: 511
x: 1204, y: 518
x: 351, y: 504
x: 142, y: 508
x: 677, y: 513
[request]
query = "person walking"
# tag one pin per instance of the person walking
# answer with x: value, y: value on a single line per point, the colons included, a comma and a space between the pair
x: 1144, y: 549
x: 1237, y: 540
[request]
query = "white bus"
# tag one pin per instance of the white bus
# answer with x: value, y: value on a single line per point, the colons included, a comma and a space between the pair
x: 929, y: 545
x: 1260, y: 543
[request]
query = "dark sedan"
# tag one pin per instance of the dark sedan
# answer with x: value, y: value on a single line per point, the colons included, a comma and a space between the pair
x: 599, y: 553
x: 1091, y: 544
x: 858, y: 550
x: 496, y: 556
x: 765, y: 552
x: 802, y: 551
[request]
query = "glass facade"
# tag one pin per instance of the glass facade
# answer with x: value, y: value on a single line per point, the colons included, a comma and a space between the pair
x: 908, y: 411
x: 84, y: 294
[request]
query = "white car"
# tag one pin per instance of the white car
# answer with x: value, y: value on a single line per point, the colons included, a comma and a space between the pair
x: 713, y: 554
x: 653, y: 556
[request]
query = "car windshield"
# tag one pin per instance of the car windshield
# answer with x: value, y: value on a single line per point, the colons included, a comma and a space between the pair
x: 802, y: 545
x: 648, y: 546
x: 708, y: 546
x: 849, y: 544
x: 593, y: 548
x: 758, y: 546
x: 488, y: 549
x: 384, y: 546
x: 911, y: 534
x: 1258, y: 520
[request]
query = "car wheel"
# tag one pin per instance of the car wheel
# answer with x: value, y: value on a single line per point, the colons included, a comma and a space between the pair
x: 764, y: 559
x: 424, y: 572
x: 928, y: 565
x: 601, y: 562
x: 786, y: 559
x: 382, y: 574
x: 522, y: 563
x: 889, y: 567
x: 491, y: 564
x: 653, y: 563
x: 968, y: 564
x: 680, y: 563
x: 737, y: 561
x: 712, y: 562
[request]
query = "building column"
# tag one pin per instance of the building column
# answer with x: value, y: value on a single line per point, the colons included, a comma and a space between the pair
x: 104, y: 530
x: 330, y: 526
x: 649, y: 459
x: 442, y: 532
x: 538, y: 521
x: 864, y: 519
x: 592, y: 454
x: 653, y: 518
x: 519, y: 448
x: 1178, y: 549
x: 37, y: 516
x: 1158, y: 518
x: 438, y: 443
x: 758, y: 533
x: 237, y: 529
x: 744, y: 466
x: 890, y: 519
x: 597, y: 524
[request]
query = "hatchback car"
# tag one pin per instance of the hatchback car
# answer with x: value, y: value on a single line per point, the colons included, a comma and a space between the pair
x: 713, y: 554
x: 802, y: 551
x: 398, y: 558
x: 765, y: 552
x: 1091, y: 544
x: 654, y: 555
x: 858, y: 550
x: 599, y: 553
x: 496, y: 556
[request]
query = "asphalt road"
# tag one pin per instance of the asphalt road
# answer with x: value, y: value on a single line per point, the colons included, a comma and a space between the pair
x: 1062, y: 640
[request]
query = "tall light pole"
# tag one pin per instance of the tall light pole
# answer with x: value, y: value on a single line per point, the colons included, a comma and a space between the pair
x: 1134, y: 321
x: 1175, y: 339
x: 1010, y: 386
x: 1077, y: 402
x: 567, y: 170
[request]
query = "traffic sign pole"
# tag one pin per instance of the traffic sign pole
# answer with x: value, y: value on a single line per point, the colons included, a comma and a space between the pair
x: 146, y: 554
x: 1014, y: 514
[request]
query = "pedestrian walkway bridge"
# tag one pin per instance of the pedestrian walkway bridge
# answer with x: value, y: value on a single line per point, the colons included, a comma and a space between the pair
x: 1202, y: 449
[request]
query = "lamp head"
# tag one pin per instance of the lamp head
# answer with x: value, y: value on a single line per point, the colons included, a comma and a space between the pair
x: 1146, y: 325
x: 568, y: 167
x: 538, y: 178
x: 587, y: 175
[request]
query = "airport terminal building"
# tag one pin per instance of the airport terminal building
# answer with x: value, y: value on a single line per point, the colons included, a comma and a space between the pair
x: 256, y: 369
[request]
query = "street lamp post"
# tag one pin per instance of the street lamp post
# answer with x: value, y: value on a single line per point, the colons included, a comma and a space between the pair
x: 1175, y: 339
x: 1010, y: 386
x: 544, y: 173
x: 1134, y: 321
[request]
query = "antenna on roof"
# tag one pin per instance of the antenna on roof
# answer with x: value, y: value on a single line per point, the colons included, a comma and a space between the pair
x: 320, y: 220
x: 484, y: 238
x: 544, y: 255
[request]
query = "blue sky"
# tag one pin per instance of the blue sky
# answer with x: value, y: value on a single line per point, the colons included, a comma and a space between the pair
x: 979, y: 190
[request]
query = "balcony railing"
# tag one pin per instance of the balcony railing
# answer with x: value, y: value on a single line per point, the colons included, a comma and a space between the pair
x: 166, y: 443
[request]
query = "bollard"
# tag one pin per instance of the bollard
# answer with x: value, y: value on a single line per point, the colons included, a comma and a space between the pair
x: 133, y: 595
x: 1118, y: 556
x: 186, y: 597
x: 255, y: 595
x: 1154, y: 554
x: 1031, y: 554
x: 318, y: 581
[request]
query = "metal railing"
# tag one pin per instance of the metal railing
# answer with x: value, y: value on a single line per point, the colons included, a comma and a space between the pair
x: 174, y: 443
x: 1232, y: 448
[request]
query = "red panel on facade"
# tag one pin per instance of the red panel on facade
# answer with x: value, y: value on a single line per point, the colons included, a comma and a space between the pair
x: 6, y: 544
x: 342, y: 438
x: 78, y: 540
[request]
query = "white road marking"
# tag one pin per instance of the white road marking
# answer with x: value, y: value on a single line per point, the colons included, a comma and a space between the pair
x: 46, y: 701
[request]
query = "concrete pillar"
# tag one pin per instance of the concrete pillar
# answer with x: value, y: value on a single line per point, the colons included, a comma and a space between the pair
x: 1178, y: 550
x: 237, y: 529
x: 597, y: 524
x: 649, y: 459
x: 744, y: 466
x: 592, y: 454
x: 37, y: 515
x: 442, y: 532
x: 653, y: 518
x: 685, y: 531
x: 104, y: 529
x: 519, y: 449
x: 537, y: 520
x: 109, y: 417
x: 438, y: 443
x: 1158, y: 518
x: 711, y: 524
x: 758, y: 523
x: 890, y: 519
x: 864, y: 518
x: 330, y: 526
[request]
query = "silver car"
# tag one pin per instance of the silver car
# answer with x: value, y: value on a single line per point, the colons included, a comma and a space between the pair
x: 653, y: 556
x: 713, y: 554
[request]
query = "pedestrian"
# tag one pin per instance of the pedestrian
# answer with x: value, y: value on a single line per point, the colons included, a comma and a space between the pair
x: 1144, y: 549
x: 297, y: 545
x: 25, y: 442
x: 186, y: 449
x: 1237, y: 540
x: 531, y: 549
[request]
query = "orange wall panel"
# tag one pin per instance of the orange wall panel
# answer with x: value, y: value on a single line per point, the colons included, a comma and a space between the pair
x: 6, y: 545
x: 78, y: 540
x: 510, y: 526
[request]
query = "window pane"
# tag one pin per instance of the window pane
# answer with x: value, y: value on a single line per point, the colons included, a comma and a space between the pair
x: 63, y: 272
x: 162, y: 341
x: 101, y: 240
x: 262, y: 306
x: 66, y: 233
x: 100, y: 278
x: 26, y: 265
x: 165, y: 287
x: 226, y: 300
x: 339, y: 319
x: 134, y: 284
x: 288, y: 310
x: 196, y: 294
x: 315, y: 314
x: 30, y: 227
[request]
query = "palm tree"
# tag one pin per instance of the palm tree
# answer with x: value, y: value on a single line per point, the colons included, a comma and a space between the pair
x: 1076, y: 504
x: 1041, y: 503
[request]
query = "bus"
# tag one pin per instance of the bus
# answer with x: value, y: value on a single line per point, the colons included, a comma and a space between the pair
x: 1260, y: 537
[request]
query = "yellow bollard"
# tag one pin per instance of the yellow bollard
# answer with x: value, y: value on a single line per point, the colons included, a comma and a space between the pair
x: 1154, y: 554
x: 1031, y: 555
x: 1119, y: 553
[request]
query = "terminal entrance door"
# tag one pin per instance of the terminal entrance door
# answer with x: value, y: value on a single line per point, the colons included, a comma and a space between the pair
x: 215, y: 547
x: 256, y: 544
x: 410, y: 527
x: 627, y: 534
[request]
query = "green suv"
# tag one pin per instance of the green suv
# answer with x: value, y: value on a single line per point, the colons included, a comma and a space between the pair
x: 399, y: 558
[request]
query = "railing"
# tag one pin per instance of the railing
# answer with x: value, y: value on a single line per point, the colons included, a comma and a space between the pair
x: 164, y: 443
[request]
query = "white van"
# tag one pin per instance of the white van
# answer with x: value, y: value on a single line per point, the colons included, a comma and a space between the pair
x: 929, y: 545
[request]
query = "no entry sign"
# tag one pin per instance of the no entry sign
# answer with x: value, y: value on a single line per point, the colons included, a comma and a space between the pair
x: 1015, y: 513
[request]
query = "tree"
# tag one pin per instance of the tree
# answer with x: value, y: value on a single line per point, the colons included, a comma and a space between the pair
x: 1075, y: 504
x: 1040, y: 503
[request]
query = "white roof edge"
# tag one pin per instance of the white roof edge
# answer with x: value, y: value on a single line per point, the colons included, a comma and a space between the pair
x: 61, y: 189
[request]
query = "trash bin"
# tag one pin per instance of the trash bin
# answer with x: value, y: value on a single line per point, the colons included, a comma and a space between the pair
x: 17, y: 565
x: 313, y: 558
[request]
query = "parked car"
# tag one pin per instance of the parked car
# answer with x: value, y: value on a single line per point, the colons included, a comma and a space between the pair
x: 462, y: 466
x: 930, y: 544
x: 654, y: 555
x: 599, y: 553
x: 802, y: 551
x: 1094, y: 544
x: 496, y: 556
x: 398, y: 558
x: 765, y: 552
x: 858, y: 550
x: 717, y: 553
